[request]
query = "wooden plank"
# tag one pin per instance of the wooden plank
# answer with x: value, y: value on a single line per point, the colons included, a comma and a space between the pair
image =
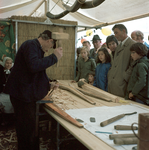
x: 54, y: 108
x: 90, y: 93
x: 103, y: 94
x: 76, y: 92
x: 85, y: 137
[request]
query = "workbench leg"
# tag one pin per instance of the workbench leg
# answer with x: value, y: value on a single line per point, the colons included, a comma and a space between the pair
x: 37, y: 119
x: 58, y: 136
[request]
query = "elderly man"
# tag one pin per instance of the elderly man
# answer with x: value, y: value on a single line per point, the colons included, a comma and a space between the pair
x: 29, y: 83
x: 97, y: 45
x: 121, y: 70
x: 138, y: 36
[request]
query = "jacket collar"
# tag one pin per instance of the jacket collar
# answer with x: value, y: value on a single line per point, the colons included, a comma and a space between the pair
x: 38, y: 44
x: 124, y: 45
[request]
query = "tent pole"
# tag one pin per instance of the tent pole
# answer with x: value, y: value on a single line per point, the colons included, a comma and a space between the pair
x: 16, y: 35
x: 76, y: 28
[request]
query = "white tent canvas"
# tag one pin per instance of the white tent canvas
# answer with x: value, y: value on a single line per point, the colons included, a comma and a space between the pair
x: 110, y: 11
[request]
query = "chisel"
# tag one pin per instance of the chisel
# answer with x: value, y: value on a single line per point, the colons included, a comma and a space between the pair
x: 124, y: 127
x: 106, y: 122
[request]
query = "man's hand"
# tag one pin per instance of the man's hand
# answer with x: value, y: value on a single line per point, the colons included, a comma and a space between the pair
x: 58, y: 52
x: 131, y: 95
x: 54, y: 85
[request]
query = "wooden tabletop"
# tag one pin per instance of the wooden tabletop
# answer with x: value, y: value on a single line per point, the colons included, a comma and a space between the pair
x: 66, y: 100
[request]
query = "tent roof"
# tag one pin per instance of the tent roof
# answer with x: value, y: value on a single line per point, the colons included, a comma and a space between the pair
x: 109, y: 12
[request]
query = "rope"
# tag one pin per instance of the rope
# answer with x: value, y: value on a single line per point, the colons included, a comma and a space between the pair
x: 54, y: 6
x: 136, y: 134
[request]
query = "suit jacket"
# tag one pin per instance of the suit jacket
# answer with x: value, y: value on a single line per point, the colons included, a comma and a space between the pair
x: 28, y: 80
x: 121, y: 70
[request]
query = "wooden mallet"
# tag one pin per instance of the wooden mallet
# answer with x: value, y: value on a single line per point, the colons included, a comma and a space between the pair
x: 59, y: 36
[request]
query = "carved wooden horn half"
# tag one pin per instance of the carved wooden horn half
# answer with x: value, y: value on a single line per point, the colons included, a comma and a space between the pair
x: 91, y: 4
x: 73, y: 8
x: 78, y: 4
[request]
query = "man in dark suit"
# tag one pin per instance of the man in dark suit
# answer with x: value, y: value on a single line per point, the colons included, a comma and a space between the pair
x: 29, y: 83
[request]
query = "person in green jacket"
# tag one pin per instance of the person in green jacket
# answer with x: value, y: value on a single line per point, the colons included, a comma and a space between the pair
x: 138, y: 85
x: 85, y: 65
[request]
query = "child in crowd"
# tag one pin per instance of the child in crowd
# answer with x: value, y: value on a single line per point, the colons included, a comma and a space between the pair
x: 91, y: 78
x: 78, y: 53
x: 138, y: 85
x: 112, y: 44
x: 102, y: 69
x: 85, y: 64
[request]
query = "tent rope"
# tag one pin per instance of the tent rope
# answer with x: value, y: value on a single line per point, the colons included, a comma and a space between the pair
x: 54, y: 6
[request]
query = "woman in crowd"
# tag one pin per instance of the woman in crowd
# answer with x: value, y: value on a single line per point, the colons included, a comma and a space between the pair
x: 5, y: 69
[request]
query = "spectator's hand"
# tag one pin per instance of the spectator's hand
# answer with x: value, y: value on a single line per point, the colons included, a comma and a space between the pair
x: 73, y: 81
x: 58, y: 52
x: 54, y: 85
x: 131, y: 95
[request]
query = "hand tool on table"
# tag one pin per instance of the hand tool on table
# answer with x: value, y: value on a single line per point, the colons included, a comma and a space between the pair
x: 124, y: 127
x: 103, y: 132
x: 111, y: 120
x: 126, y: 141
x: 114, y: 136
x: 92, y: 119
x: 60, y: 36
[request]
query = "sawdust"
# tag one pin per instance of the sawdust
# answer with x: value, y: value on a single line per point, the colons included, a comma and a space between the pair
x: 62, y: 99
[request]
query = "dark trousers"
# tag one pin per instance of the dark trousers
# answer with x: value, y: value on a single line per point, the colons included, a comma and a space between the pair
x: 25, y: 114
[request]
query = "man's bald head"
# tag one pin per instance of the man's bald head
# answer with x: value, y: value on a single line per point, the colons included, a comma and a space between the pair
x: 137, y: 36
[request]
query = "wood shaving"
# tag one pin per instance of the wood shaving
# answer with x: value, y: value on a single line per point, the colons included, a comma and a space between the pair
x: 62, y: 99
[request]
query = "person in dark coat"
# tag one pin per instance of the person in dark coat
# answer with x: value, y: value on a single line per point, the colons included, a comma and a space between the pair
x: 137, y: 88
x: 8, y: 112
x: 29, y: 83
x: 97, y: 45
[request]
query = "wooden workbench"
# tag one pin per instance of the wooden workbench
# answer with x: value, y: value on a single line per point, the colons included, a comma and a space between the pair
x: 81, y: 134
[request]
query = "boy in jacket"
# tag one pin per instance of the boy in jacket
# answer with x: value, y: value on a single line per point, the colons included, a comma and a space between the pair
x: 137, y: 88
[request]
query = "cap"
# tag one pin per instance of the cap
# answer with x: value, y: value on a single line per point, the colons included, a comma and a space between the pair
x: 49, y: 34
x: 96, y: 37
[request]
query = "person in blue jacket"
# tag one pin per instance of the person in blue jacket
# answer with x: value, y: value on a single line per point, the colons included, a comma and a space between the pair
x: 104, y: 59
x: 29, y: 83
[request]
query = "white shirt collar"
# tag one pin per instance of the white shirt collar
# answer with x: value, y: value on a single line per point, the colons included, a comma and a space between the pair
x: 124, y: 41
